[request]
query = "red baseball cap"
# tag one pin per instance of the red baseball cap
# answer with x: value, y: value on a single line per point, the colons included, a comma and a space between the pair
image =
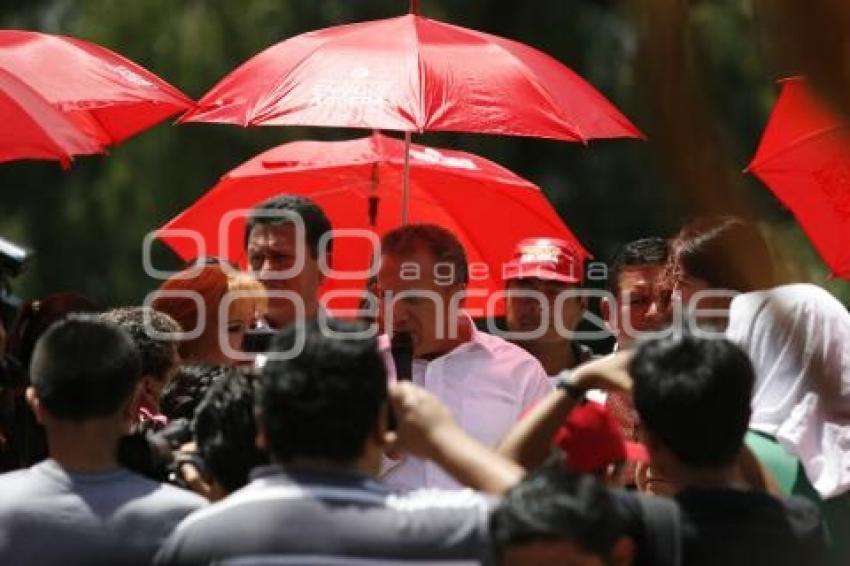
x: 592, y: 440
x: 551, y: 259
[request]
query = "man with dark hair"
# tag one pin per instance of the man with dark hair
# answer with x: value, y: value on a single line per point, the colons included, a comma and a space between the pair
x: 693, y: 397
x: 322, y: 416
x: 556, y: 517
x: 280, y: 234
x: 150, y: 330
x: 542, y: 282
x: 485, y: 381
x: 79, y: 506
x: 225, y: 434
x: 632, y: 280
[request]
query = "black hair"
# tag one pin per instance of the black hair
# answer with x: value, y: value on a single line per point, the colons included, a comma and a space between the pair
x: 84, y: 368
x: 183, y: 393
x: 142, y: 324
x: 440, y: 243
x: 226, y: 431
x: 553, y: 504
x: 724, y: 251
x: 316, y: 223
x: 326, y: 400
x: 694, y: 395
x: 645, y: 251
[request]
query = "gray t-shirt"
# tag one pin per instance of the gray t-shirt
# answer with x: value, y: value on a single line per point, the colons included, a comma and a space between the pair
x: 335, y: 518
x: 50, y: 516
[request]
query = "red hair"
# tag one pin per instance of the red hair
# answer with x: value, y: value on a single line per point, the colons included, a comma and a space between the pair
x: 210, y: 282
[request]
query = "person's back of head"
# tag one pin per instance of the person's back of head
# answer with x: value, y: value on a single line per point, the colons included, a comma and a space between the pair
x: 324, y: 403
x: 191, y: 382
x: 83, y: 369
x: 226, y: 431
x: 693, y: 396
x: 555, y: 516
x: 154, y: 333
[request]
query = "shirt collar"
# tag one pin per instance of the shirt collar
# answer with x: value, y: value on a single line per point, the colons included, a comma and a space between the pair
x: 300, y: 476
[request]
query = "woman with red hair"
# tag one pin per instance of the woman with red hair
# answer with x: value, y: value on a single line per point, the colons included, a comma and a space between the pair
x: 215, y: 306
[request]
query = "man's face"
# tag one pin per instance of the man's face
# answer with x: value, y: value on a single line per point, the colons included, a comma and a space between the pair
x: 525, y: 306
x: 637, y: 309
x: 273, y: 248
x: 558, y: 552
x: 423, y: 309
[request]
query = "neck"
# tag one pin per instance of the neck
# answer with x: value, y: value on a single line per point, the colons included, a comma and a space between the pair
x: 555, y: 355
x: 87, y: 447
x: 323, y: 465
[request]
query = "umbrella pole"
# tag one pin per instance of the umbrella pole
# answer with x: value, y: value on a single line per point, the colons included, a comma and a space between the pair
x: 405, y: 188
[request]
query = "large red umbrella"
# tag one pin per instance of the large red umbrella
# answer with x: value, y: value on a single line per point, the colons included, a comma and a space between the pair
x: 804, y: 157
x: 30, y: 128
x: 106, y: 95
x: 412, y: 74
x: 357, y: 184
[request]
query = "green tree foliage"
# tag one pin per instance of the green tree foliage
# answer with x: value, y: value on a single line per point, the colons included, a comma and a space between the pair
x: 87, y: 223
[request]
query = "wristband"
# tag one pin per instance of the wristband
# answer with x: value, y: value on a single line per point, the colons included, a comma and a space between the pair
x: 567, y: 384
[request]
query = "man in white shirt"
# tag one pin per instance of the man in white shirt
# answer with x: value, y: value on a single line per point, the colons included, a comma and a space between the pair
x: 485, y: 381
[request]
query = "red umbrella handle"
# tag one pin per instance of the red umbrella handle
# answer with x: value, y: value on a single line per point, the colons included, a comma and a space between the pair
x: 414, y: 7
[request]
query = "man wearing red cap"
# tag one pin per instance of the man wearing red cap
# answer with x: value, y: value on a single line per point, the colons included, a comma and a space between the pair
x: 543, y: 304
x: 594, y: 444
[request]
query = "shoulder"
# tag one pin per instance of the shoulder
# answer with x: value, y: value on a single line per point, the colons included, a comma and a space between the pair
x: 161, y: 497
x: 440, y: 499
x: 505, y: 351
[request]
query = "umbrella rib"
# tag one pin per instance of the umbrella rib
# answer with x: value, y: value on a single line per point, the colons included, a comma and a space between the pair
x: 576, y: 131
x: 764, y: 161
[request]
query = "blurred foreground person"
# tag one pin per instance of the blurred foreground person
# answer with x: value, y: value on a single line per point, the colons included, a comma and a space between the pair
x: 693, y: 397
x: 225, y: 433
x: 79, y: 506
x: 322, y: 415
x: 798, y: 338
x: 25, y: 443
x: 555, y: 517
x: 155, y: 335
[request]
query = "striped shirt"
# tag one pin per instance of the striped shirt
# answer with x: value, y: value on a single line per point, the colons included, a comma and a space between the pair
x: 289, y: 517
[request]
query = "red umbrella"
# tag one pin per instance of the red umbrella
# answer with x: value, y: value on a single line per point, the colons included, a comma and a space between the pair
x: 30, y: 128
x: 106, y: 95
x: 412, y: 74
x: 357, y: 183
x: 804, y: 157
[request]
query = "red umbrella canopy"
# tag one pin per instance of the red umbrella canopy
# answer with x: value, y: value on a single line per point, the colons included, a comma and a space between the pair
x: 486, y: 206
x: 30, y: 128
x: 108, y: 96
x: 412, y: 74
x: 804, y: 157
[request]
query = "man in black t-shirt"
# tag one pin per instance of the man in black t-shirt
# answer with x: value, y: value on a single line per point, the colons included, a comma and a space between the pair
x: 693, y: 398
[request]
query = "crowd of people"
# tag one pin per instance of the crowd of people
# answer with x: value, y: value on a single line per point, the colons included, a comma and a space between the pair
x: 716, y: 432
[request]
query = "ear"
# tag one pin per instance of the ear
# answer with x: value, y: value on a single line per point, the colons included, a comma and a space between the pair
x: 623, y: 552
x: 329, y: 257
x: 35, y: 404
x: 261, y: 441
x: 608, y: 312
x: 381, y: 435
